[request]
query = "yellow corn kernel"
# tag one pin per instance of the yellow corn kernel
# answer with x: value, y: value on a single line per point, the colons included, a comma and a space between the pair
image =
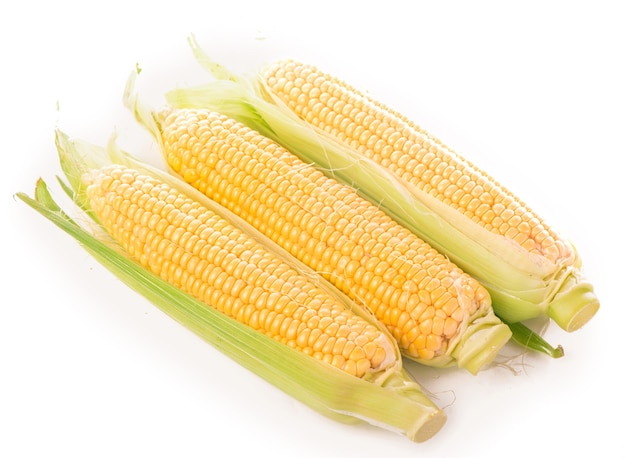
x: 327, y: 225
x: 198, y: 251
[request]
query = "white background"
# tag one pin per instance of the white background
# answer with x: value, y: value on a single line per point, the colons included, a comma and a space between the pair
x: 533, y: 93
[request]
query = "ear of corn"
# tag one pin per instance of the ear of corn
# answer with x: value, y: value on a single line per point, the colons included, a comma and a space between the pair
x: 439, y: 315
x: 529, y: 270
x: 443, y: 179
x: 384, y: 396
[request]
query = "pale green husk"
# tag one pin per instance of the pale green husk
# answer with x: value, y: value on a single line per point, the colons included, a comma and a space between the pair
x: 389, y: 399
x: 522, y: 285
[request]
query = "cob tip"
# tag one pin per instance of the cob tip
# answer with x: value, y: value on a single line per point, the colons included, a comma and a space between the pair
x: 430, y: 426
x: 481, y: 343
x: 573, y: 308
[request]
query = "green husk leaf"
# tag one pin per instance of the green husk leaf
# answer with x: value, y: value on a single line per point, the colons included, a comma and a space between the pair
x: 528, y: 338
x: 391, y: 400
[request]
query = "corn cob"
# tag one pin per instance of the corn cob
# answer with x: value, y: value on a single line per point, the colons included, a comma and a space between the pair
x: 438, y: 314
x: 527, y: 267
x: 164, y: 242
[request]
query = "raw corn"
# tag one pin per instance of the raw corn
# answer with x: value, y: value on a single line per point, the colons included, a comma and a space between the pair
x: 174, y: 234
x: 438, y: 314
x: 416, y: 157
x: 529, y: 270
